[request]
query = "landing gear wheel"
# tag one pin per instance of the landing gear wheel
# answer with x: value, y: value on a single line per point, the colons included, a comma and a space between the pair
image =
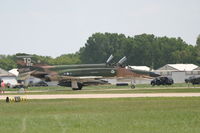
x: 132, y: 86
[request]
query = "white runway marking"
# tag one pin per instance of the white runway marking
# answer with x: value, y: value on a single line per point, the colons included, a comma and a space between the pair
x: 72, y: 96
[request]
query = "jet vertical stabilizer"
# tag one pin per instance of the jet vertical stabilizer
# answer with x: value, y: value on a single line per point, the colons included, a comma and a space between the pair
x: 120, y: 63
x: 109, y: 59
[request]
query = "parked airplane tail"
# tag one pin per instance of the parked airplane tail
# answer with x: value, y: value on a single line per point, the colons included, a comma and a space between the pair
x: 27, y: 64
x: 24, y: 61
x: 27, y: 61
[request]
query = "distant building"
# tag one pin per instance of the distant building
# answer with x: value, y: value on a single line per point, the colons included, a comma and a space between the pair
x: 179, y: 72
x: 7, y: 77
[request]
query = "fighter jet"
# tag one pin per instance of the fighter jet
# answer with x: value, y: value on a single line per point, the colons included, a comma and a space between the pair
x: 77, y: 76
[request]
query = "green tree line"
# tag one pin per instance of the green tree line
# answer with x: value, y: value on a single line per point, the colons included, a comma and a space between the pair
x: 144, y: 49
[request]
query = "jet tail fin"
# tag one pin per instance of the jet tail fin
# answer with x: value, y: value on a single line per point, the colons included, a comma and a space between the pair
x: 24, y: 61
x: 122, y: 61
x: 109, y: 59
x: 27, y: 63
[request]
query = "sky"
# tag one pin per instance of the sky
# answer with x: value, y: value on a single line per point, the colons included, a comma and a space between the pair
x: 56, y: 27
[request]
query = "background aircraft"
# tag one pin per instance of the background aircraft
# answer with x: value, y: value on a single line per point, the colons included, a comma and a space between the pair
x: 76, y: 76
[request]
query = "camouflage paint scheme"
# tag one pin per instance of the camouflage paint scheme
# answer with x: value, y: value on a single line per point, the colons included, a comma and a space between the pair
x: 78, y: 74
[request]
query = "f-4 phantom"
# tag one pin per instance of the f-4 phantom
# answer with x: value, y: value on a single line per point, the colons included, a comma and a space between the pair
x: 76, y: 76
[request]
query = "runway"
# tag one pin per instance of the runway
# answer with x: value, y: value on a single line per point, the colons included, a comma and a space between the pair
x: 78, y: 96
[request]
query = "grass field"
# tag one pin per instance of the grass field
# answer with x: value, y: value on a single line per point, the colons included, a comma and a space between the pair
x: 123, y: 115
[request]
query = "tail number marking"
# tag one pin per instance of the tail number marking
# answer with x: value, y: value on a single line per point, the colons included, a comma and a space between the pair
x: 28, y: 62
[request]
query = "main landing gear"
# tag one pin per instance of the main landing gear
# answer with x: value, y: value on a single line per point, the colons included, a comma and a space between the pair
x: 79, y: 87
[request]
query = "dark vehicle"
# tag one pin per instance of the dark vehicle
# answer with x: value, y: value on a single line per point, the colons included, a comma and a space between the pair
x: 188, y: 80
x: 194, y: 80
x: 162, y: 81
x: 40, y: 83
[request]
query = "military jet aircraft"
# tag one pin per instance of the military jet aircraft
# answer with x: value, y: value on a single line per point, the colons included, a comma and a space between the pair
x: 76, y: 76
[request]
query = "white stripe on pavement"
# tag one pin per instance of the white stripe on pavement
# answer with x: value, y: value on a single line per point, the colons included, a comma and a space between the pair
x: 69, y: 96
